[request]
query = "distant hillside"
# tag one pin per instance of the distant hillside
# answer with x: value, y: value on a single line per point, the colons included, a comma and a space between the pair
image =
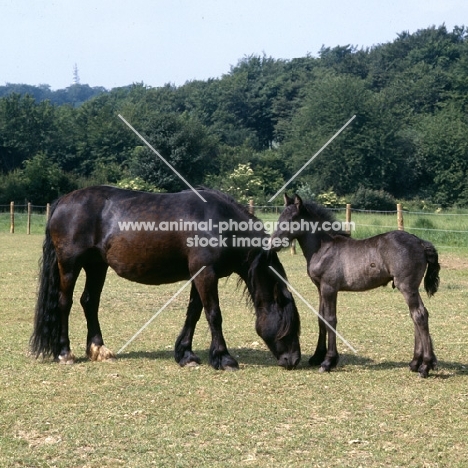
x: 75, y: 94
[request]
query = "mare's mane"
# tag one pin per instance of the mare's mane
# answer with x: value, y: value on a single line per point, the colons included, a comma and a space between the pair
x: 242, y: 208
x: 255, y: 257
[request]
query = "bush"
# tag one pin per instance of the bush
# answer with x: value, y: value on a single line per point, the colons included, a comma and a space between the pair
x: 137, y: 183
x: 40, y: 181
x: 330, y: 199
x: 418, y: 204
x: 368, y: 199
x: 305, y: 191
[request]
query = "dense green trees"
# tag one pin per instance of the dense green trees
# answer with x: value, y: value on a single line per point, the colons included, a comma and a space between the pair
x: 250, y: 130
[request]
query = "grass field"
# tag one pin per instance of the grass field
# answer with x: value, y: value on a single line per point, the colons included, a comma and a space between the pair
x: 144, y: 410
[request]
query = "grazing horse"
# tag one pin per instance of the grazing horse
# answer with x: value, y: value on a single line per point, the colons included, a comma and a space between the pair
x: 336, y: 262
x: 157, y: 239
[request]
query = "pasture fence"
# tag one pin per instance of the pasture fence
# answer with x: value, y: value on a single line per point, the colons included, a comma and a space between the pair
x: 441, y: 228
x: 23, y: 217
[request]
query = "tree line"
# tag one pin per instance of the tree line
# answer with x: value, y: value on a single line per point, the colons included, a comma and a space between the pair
x: 250, y: 130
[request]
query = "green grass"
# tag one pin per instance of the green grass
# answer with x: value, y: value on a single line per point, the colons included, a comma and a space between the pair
x: 144, y: 410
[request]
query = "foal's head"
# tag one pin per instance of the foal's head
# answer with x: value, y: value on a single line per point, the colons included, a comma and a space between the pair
x: 291, y: 221
x: 300, y: 219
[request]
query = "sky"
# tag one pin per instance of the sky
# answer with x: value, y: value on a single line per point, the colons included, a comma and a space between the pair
x: 116, y: 43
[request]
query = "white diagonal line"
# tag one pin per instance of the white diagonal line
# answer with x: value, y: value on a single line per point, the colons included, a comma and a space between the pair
x: 313, y: 310
x: 312, y: 158
x: 161, y: 309
x: 159, y: 156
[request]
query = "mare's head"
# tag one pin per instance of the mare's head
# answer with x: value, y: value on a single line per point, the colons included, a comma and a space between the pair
x: 277, y: 322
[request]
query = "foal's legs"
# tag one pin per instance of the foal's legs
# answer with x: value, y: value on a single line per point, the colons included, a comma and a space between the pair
x: 207, y: 285
x: 328, y: 298
x: 321, y: 350
x: 418, y: 351
x: 424, y: 358
x: 95, y: 277
x: 183, y: 347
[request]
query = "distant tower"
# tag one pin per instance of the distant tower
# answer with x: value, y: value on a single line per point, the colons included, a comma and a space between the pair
x: 76, y: 76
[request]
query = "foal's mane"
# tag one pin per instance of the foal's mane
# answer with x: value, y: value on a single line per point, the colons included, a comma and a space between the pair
x: 318, y: 211
x: 322, y: 214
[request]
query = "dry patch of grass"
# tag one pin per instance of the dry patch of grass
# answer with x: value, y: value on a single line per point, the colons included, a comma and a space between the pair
x: 144, y: 410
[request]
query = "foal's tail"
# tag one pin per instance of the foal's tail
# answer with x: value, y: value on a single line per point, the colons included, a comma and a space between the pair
x: 431, y: 280
x: 45, y: 339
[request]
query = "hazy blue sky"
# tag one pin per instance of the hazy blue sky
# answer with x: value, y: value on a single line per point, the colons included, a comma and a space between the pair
x: 116, y: 42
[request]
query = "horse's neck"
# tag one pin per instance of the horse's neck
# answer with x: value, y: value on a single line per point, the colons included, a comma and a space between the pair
x: 310, y: 244
x: 253, y: 278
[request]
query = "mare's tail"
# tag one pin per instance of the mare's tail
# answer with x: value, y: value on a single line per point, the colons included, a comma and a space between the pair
x: 431, y: 279
x: 45, y: 338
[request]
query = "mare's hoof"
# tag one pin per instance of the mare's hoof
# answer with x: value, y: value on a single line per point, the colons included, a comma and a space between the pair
x: 100, y: 353
x: 323, y: 369
x: 66, y: 359
x: 223, y: 362
x: 189, y: 359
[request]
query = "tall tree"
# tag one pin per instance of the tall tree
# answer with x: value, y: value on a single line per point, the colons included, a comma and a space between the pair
x: 184, y: 142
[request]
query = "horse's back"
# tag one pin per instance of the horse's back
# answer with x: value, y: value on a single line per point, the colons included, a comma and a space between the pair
x: 361, y: 264
x: 141, y: 235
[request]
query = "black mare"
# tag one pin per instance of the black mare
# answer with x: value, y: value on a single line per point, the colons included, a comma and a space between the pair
x: 83, y: 232
x: 336, y: 262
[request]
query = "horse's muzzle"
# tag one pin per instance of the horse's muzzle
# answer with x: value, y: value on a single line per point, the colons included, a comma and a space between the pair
x: 289, y: 360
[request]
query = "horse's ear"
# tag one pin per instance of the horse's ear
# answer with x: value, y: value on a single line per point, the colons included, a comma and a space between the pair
x: 288, y: 200
x: 298, y: 201
x: 281, y: 294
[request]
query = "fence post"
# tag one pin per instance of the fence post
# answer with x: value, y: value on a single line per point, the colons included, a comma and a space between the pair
x: 12, y: 217
x: 401, y: 226
x: 348, y: 218
x: 47, y: 212
x: 251, y: 206
x: 28, y: 224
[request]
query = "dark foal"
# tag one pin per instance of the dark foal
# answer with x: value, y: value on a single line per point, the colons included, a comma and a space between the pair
x: 336, y: 262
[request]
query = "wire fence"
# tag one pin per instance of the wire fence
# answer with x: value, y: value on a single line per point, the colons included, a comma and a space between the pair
x: 26, y: 218
x: 441, y: 228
